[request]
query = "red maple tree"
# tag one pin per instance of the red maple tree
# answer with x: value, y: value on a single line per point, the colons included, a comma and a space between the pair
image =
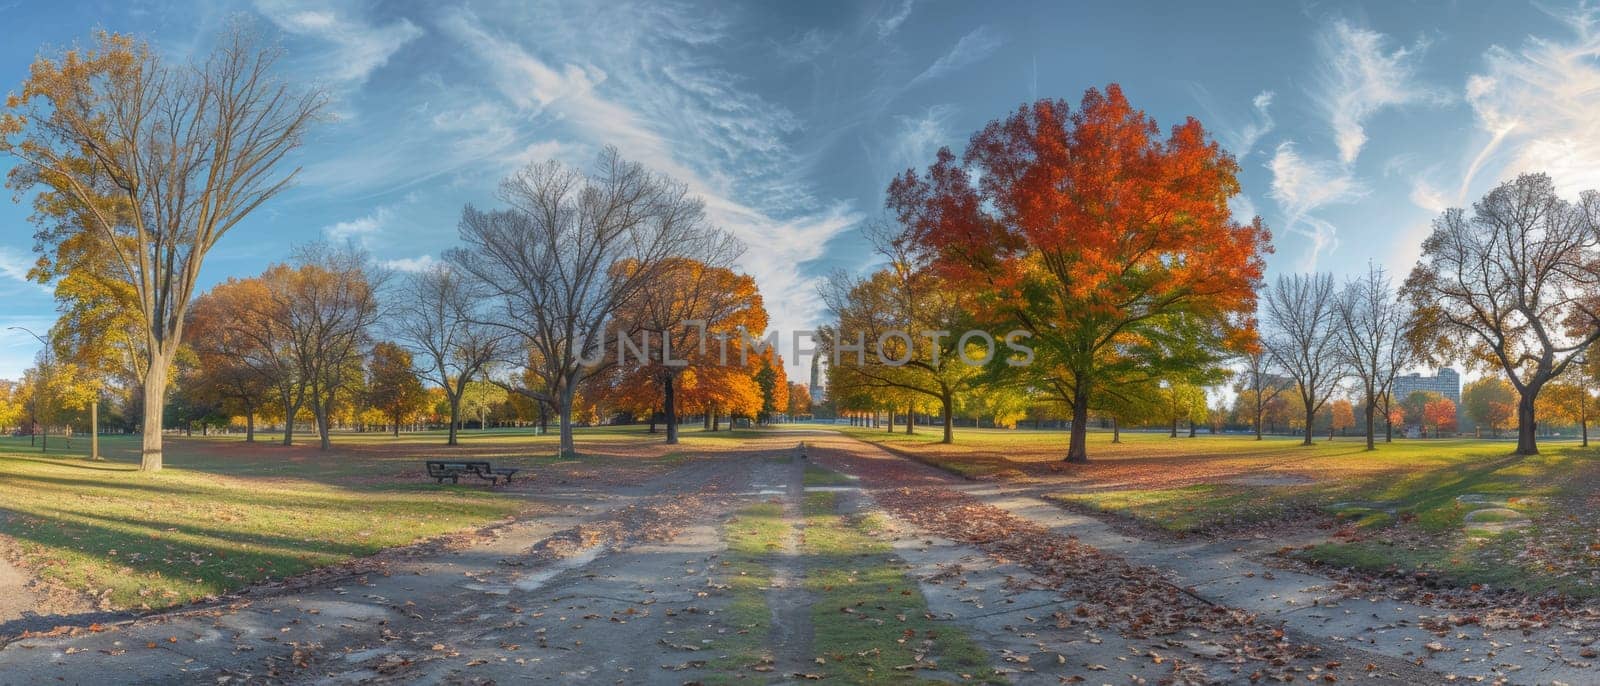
x: 1113, y: 247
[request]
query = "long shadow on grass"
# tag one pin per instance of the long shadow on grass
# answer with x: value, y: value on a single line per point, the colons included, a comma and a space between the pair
x: 339, y: 497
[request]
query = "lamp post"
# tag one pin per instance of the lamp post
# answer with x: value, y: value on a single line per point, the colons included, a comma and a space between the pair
x: 94, y: 405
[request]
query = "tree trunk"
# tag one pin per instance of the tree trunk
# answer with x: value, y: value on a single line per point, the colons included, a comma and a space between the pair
x: 716, y: 419
x: 1311, y: 420
x: 1372, y: 431
x: 911, y: 420
x: 949, y: 418
x: 397, y: 426
x: 1260, y: 416
x: 1583, y: 425
x: 1174, y: 432
x: 292, y: 410
x: 566, y: 447
x: 322, y: 411
x: 95, y: 427
x: 250, y: 426
x: 1527, y: 442
x: 455, y: 417
x: 1388, y: 422
x: 669, y: 391
x: 155, y: 394
x: 890, y: 415
x: 1191, y: 428
x: 1116, y: 430
x: 1077, y: 445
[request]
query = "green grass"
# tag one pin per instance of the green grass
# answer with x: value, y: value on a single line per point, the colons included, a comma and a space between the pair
x: 1428, y: 531
x: 869, y: 618
x: 753, y: 535
x: 1190, y: 484
x: 817, y: 476
x: 1189, y: 508
x: 224, y: 514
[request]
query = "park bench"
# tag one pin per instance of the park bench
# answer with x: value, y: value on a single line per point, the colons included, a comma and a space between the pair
x: 455, y: 469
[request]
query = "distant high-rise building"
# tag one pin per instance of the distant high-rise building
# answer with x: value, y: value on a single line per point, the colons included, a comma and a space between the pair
x: 819, y: 393
x: 1446, y: 383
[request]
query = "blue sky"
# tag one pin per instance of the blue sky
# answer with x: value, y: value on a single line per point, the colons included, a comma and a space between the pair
x: 1355, y: 123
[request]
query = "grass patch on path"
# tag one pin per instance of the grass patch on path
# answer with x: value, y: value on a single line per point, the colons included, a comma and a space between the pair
x: 869, y: 616
x: 817, y: 476
x: 754, y: 534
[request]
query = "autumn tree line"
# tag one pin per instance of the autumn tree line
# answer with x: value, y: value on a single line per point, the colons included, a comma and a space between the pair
x: 1105, y: 241
x: 136, y: 167
x: 1111, y: 244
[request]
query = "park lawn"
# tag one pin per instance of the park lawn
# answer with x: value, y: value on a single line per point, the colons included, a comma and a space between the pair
x: 1208, y: 482
x: 224, y: 514
x: 1453, y: 530
x: 1406, y: 504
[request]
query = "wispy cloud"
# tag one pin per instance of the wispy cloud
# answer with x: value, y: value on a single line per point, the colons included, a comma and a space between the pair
x: 411, y: 264
x: 917, y: 137
x: 642, y: 80
x: 1240, y: 133
x: 15, y: 265
x: 1540, y: 107
x: 354, y: 48
x: 971, y: 49
x: 1259, y: 126
x: 1301, y: 187
x: 1363, y: 74
x: 889, y: 24
x: 361, y: 230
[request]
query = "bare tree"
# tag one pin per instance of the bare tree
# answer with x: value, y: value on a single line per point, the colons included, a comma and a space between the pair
x: 331, y: 307
x: 1264, y: 381
x: 1372, y: 324
x: 552, y: 262
x: 1304, y: 340
x: 437, y: 319
x: 1516, y: 282
x: 160, y: 160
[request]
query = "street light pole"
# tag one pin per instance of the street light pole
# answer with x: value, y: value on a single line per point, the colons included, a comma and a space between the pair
x: 94, y: 405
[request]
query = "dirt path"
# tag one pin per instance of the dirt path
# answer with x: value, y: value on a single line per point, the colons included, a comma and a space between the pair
x: 603, y: 586
x: 17, y: 599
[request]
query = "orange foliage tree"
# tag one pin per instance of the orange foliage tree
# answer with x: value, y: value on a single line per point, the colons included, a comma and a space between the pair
x: 1439, y: 414
x: 690, y: 320
x: 1341, y: 416
x: 799, y: 400
x: 1111, y: 246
